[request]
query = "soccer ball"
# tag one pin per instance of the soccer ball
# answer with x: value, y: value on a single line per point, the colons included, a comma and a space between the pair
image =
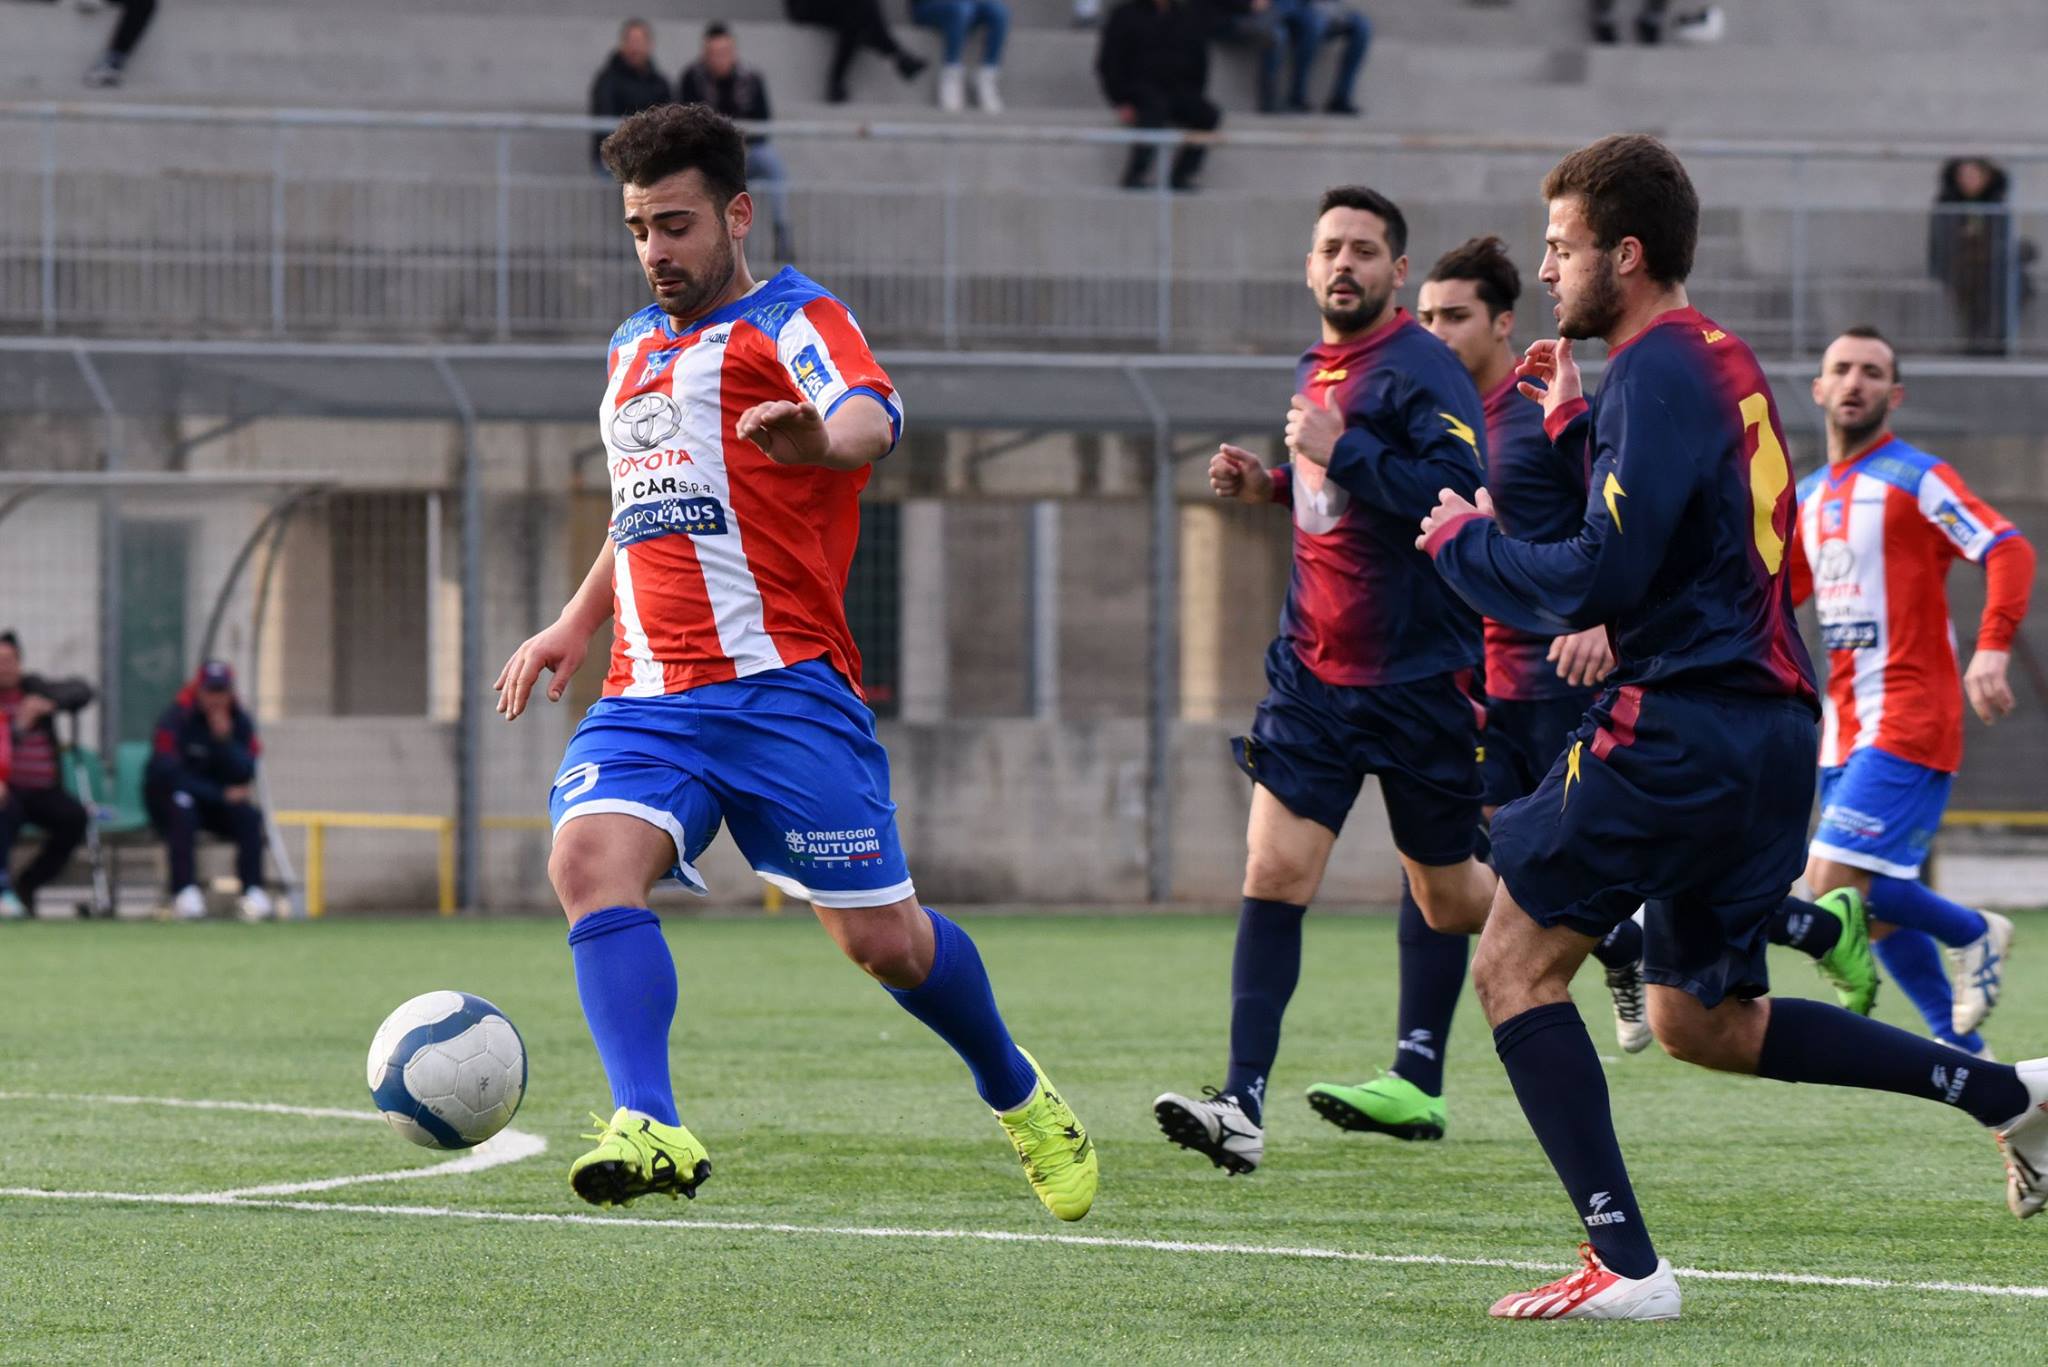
x: 447, y: 1070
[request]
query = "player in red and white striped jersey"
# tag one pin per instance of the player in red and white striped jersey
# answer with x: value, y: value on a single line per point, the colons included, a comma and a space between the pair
x: 1877, y: 532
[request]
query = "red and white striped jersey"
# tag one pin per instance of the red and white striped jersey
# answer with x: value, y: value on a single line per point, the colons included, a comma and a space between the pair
x: 1877, y: 534
x: 726, y: 563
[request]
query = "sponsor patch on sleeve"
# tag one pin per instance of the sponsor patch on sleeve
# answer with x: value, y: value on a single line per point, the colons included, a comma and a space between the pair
x: 1960, y: 526
x: 809, y: 371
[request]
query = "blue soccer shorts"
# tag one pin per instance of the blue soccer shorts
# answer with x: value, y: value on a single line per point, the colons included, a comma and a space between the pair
x: 787, y: 760
x: 1879, y: 812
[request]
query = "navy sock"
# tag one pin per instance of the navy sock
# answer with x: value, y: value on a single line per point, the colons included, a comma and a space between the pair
x: 1263, y: 972
x: 1805, y: 927
x: 627, y: 981
x: 956, y: 1001
x: 1814, y: 1042
x: 1913, y: 960
x: 1432, y: 975
x: 1911, y: 903
x: 1622, y: 946
x: 1556, y: 1075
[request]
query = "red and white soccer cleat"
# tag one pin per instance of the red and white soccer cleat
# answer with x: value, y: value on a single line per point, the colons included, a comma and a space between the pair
x: 2023, y: 1141
x: 1594, y: 1293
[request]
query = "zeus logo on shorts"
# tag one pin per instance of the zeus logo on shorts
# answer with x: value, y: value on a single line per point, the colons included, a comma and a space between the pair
x: 669, y: 517
x: 809, y: 370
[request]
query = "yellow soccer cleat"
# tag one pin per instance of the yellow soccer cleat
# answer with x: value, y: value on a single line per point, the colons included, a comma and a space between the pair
x: 637, y: 1155
x: 1057, y: 1154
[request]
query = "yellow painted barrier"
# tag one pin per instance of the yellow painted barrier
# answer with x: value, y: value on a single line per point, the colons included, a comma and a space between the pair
x: 1995, y: 819
x: 318, y: 823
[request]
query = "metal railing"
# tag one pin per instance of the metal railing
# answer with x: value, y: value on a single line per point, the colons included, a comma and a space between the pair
x: 385, y: 225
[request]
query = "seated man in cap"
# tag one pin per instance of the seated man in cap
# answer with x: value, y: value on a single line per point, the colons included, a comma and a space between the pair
x: 201, y: 778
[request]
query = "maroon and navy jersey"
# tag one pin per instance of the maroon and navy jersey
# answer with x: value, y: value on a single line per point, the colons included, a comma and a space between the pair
x: 1363, y: 606
x: 1538, y: 495
x: 1688, y: 521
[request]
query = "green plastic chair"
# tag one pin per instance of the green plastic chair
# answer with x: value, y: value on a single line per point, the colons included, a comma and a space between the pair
x: 127, y: 815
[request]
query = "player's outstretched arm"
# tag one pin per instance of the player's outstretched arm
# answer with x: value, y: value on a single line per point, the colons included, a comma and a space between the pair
x: 561, y: 646
x: 858, y: 433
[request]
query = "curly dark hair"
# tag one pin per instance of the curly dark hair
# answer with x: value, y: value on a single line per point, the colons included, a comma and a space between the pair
x: 1634, y: 186
x: 1372, y: 202
x: 1484, y: 261
x: 657, y: 143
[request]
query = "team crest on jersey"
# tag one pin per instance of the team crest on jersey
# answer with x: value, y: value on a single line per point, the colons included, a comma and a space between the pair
x: 645, y: 421
x: 657, y: 363
x: 1831, y: 517
x: 809, y: 369
x: 1956, y: 523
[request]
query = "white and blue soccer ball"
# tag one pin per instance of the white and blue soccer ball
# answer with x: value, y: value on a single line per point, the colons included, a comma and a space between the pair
x: 448, y: 1070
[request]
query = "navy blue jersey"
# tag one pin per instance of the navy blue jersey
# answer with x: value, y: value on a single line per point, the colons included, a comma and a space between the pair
x: 1363, y: 607
x: 1539, y: 494
x: 1682, y: 549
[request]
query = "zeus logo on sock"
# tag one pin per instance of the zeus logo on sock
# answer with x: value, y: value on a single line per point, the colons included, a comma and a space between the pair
x: 1948, y: 1086
x: 1417, y: 1042
x: 1601, y: 1215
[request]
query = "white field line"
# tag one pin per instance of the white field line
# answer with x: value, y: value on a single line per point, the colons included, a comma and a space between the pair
x: 995, y: 1236
x: 508, y: 1146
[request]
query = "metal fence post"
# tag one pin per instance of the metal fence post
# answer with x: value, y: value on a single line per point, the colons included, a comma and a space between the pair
x: 277, y: 229
x: 1163, y: 324
x: 1162, y: 706
x: 2012, y: 281
x: 47, y: 128
x: 110, y: 560
x: 1799, y: 261
x: 503, y: 277
x: 949, y: 277
x: 1043, y: 555
x: 469, y: 713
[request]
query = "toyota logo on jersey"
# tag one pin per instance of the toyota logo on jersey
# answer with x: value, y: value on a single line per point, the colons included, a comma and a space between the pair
x: 645, y: 422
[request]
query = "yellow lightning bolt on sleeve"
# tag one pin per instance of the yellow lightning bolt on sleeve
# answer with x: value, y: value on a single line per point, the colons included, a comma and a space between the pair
x: 1462, y: 431
x: 1611, y: 491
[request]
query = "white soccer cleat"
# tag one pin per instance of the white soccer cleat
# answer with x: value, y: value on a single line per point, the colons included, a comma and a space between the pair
x: 953, y: 87
x: 12, y: 908
x: 1631, y: 1027
x: 1215, y: 1126
x: 1977, y: 971
x: 189, y: 904
x: 986, y: 92
x: 256, y: 905
x: 2023, y: 1141
x: 1594, y: 1293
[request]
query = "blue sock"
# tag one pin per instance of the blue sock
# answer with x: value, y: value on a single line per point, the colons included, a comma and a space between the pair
x: 1263, y: 972
x: 957, y: 1003
x: 1910, y: 903
x: 627, y: 981
x: 1432, y: 974
x: 1805, y: 927
x: 1556, y: 1075
x: 1622, y: 946
x: 1913, y: 960
x: 1815, y: 1042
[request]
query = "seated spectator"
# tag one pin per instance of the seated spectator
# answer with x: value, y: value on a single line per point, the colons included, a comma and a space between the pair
x: 201, y: 778
x: 128, y: 30
x: 628, y: 82
x: 1154, y: 67
x: 954, y: 20
x: 1708, y: 25
x: 1308, y: 25
x: 716, y: 78
x: 855, y: 24
x: 31, y: 788
x: 1253, y: 24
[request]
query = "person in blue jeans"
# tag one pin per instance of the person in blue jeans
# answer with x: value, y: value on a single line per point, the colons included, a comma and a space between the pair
x: 954, y: 20
x: 1308, y: 24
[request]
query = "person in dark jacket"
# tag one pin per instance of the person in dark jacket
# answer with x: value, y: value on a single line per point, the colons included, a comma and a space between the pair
x: 628, y: 82
x: 31, y: 782
x: 1154, y: 67
x: 202, y: 777
x: 1970, y: 250
x: 739, y: 92
x: 855, y: 24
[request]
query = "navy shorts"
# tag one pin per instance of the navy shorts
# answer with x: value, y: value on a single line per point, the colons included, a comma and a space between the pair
x: 787, y: 760
x: 1524, y: 738
x: 1690, y: 802
x: 1312, y: 744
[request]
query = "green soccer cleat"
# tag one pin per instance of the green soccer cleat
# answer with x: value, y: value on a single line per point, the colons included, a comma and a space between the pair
x: 637, y: 1155
x: 1849, y: 967
x: 1058, y: 1155
x: 1389, y: 1104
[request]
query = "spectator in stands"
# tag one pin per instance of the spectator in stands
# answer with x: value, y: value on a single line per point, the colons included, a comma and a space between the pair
x: 628, y: 81
x: 1970, y: 249
x: 202, y: 777
x: 128, y: 30
x: 739, y: 92
x: 855, y: 24
x: 954, y: 20
x: 1294, y: 31
x: 1153, y: 63
x: 1706, y: 25
x: 31, y: 788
